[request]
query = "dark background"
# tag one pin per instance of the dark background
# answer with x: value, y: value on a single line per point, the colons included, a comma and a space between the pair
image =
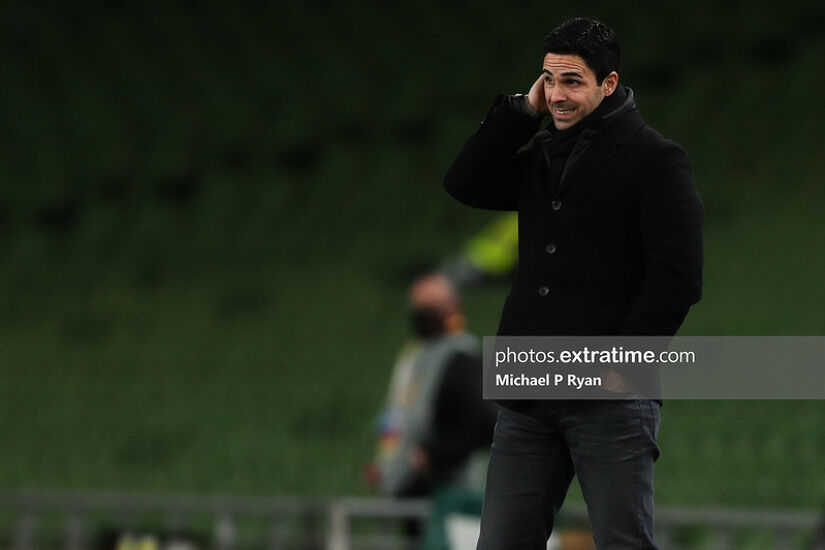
x: 209, y: 213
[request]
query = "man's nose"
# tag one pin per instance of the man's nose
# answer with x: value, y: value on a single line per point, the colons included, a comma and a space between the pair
x: 556, y: 94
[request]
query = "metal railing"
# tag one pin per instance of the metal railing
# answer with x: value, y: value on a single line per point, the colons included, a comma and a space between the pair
x: 73, y: 521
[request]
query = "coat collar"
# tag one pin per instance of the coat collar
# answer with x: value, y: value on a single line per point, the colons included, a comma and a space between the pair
x: 601, y: 140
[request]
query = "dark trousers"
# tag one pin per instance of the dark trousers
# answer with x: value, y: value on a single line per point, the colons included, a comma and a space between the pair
x: 610, y: 445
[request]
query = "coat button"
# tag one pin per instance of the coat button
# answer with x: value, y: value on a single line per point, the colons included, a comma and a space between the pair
x: 556, y: 205
x: 550, y: 248
x: 544, y: 291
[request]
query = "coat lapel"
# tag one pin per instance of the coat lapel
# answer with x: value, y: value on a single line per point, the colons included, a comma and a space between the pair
x: 598, y: 145
x: 595, y: 147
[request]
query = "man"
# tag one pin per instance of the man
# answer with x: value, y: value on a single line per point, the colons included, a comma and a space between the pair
x: 435, y: 417
x: 609, y: 244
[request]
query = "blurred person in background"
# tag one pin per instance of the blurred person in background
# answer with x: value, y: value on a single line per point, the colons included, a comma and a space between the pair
x: 609, y: 244
x: 435, y: 429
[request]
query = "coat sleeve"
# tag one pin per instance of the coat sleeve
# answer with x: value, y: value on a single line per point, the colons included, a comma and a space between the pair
x: 671, y: 217
x: 489, y: 169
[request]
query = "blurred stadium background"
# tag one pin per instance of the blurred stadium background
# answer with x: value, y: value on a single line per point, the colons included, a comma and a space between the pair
x: 209, y: 213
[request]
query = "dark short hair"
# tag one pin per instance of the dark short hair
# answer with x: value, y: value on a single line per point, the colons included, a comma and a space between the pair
x: 591, y: 40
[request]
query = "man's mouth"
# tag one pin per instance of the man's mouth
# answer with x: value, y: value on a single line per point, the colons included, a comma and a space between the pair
x: 559, y: 112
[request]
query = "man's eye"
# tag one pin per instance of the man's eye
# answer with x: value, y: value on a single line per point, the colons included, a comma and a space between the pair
x: 548, y: 80
x: 573, y: 82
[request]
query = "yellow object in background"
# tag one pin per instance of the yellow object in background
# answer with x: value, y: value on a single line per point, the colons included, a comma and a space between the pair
x: 129, y: 542
x: 495, y: 249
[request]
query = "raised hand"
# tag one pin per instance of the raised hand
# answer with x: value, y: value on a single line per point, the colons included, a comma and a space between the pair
x: 535, y: 98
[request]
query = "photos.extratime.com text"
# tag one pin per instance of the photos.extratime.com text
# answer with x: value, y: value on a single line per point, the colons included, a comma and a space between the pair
x: 586, y: 356
x: 654, y: 367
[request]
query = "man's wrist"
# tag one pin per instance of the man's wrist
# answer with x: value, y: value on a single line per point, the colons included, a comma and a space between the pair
x: 527, y: 108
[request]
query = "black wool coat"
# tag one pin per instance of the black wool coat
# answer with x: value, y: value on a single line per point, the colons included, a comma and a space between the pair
x: 615, y: 249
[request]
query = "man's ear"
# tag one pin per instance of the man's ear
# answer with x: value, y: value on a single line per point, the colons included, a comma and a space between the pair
x: 610, y: 83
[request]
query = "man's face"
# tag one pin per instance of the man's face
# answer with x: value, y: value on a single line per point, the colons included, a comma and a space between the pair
x: 570, y: 88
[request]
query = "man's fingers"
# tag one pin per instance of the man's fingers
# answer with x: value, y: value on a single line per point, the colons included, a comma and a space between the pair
x: 538, y: 86
x: 536, y: 96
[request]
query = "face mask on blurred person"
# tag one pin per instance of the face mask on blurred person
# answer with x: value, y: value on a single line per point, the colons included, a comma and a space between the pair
x: 427, y: 323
